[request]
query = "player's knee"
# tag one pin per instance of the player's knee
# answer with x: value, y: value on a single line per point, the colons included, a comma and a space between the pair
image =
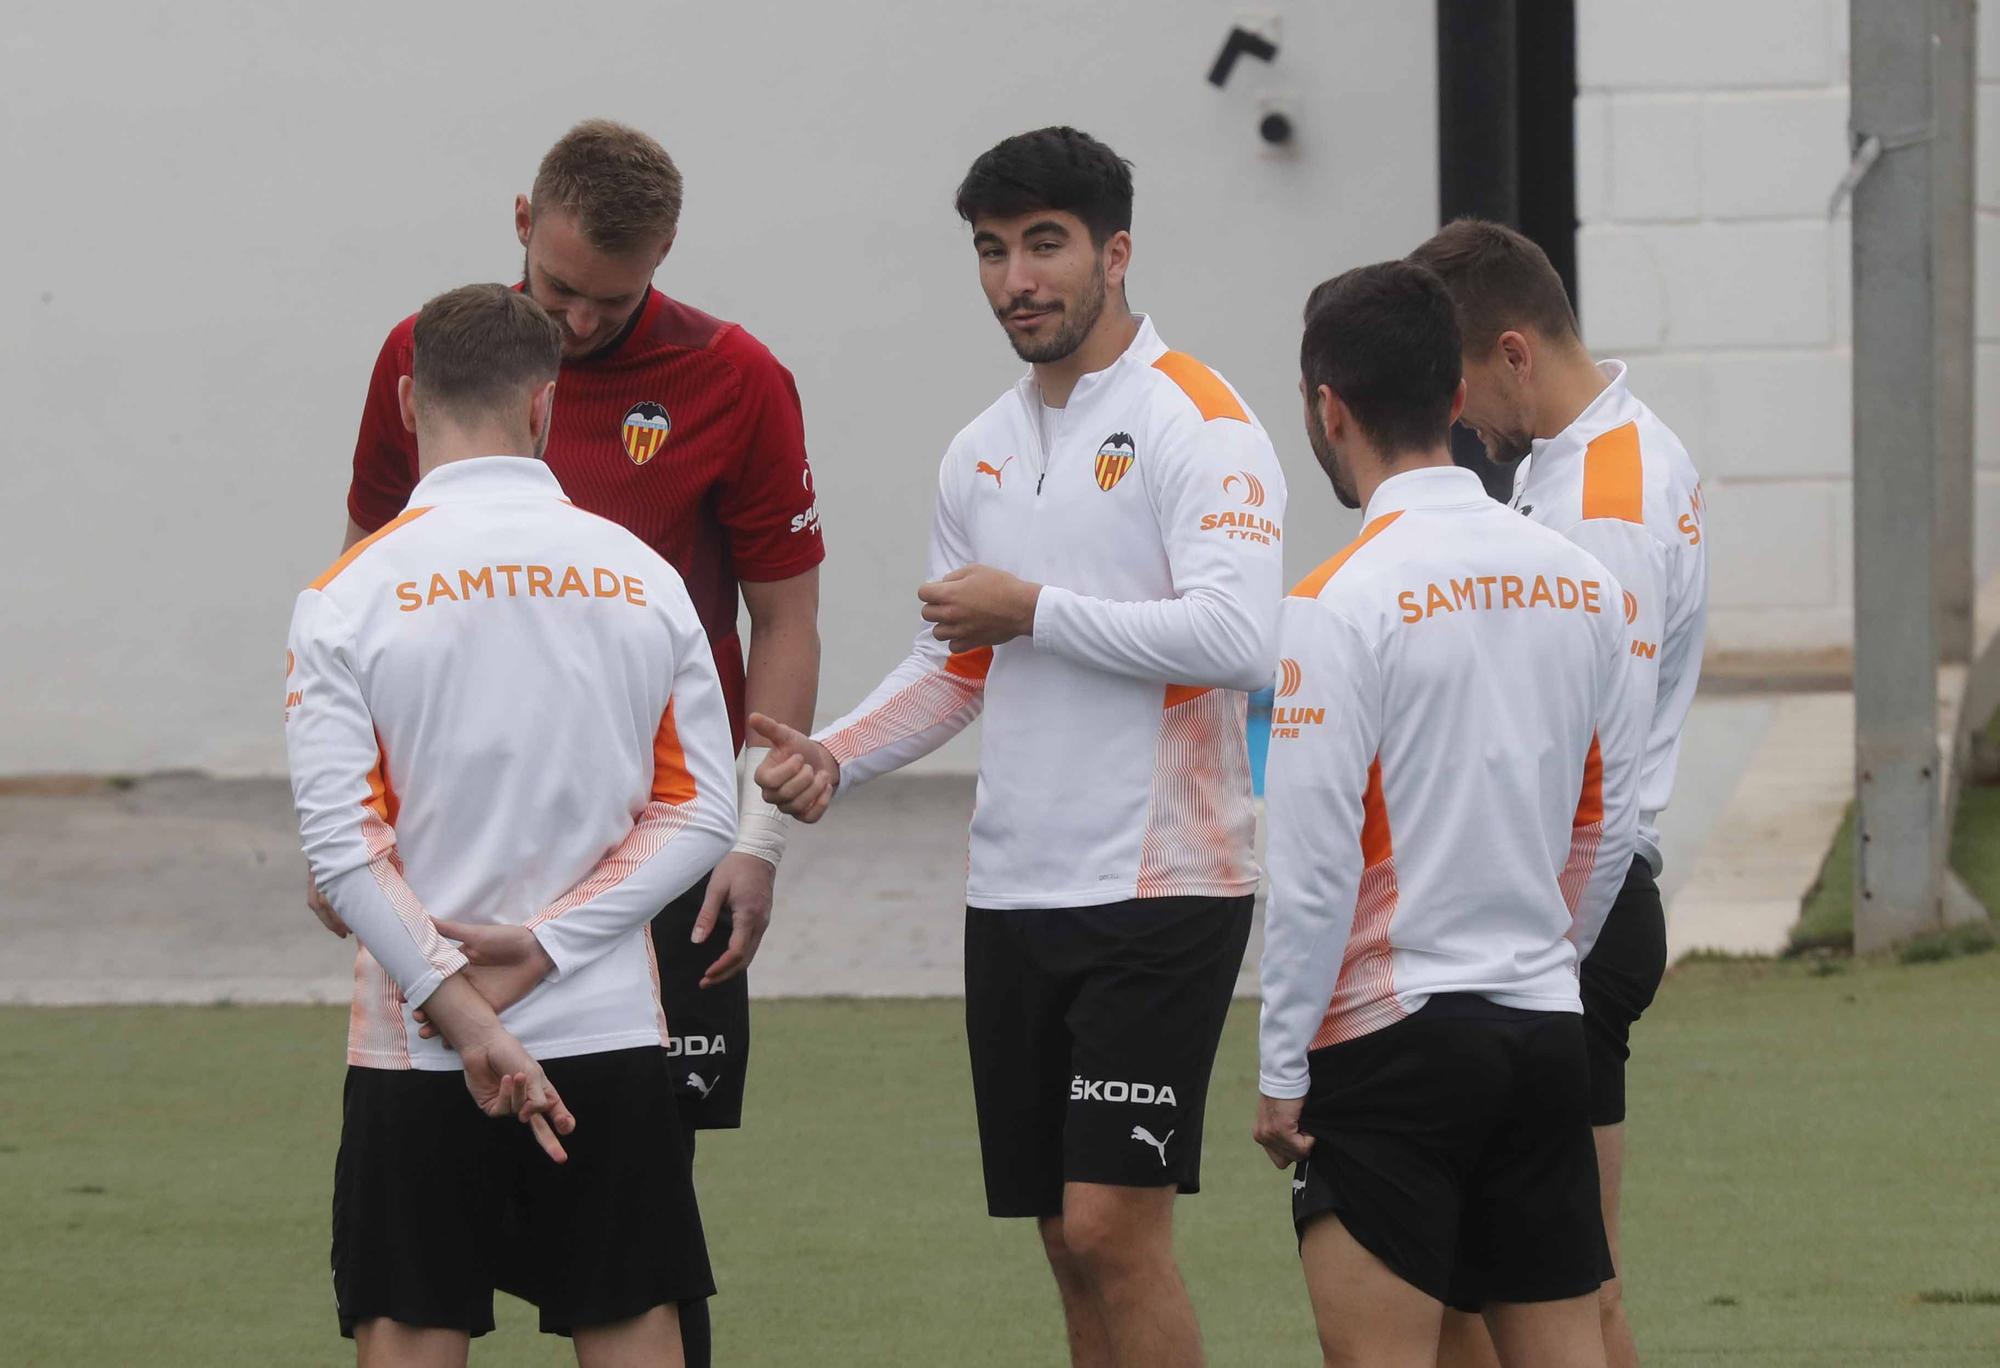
x: 1104, y: 1240
x: 1056, y: 1246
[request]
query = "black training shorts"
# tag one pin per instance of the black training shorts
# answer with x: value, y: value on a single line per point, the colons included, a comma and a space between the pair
x: 1618, y: 981
x: 435, y: 1204
x: 708, y: 1028
x: 1455, y: 1146
x: 1093, y: 1031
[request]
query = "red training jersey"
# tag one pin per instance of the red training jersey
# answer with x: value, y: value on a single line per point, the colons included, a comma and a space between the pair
x: 687, y: 431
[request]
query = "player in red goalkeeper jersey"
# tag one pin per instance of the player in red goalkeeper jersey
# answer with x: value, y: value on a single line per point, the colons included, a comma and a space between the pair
x: 686, y: 430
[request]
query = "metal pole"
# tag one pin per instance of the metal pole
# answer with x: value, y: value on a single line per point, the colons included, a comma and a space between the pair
x: 1898, y: 850
x: 1479, y: 149
x: 1952, y: 176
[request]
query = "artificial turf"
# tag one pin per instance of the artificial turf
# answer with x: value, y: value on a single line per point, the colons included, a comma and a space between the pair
x: 1814, y: 1179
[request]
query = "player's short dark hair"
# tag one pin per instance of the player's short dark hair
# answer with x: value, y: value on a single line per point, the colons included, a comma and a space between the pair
x: 1385, y: 339
x: 619, y: 184
x: 1500, y: 281
x: 478, y: 347
x: 1055, y: 168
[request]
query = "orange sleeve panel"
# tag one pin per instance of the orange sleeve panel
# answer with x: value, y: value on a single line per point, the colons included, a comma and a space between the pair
x: 382, y: 800
x: 673, y: 782
x: 1376, y: 847
x: 1590, y: 802
x: 971, y: 665
x: 1202, y: 385
x: 1612, y: 484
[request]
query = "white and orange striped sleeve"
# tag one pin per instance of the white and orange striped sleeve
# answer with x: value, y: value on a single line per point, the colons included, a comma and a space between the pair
x: 686, y: 825
x: 1315, y: 790
x: 1605, y: 832
x: 933, y: 694
x: 345, y: 808
x: 1219, y: 496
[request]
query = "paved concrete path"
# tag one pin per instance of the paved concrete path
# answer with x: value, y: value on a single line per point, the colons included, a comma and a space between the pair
x: 188, y: 889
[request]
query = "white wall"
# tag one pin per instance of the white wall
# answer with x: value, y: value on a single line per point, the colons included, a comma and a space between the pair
x: 217, y: 211
x: 1710, y: 134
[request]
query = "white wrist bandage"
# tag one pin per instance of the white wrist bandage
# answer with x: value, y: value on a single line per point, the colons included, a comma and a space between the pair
x: 761, y: 829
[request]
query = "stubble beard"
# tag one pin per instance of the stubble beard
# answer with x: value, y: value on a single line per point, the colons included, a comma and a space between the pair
x: 1076, y: 326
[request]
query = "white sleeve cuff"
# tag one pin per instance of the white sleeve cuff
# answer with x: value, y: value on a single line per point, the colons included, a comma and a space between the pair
x: 1284, y: 1088
x: 1049, y: 607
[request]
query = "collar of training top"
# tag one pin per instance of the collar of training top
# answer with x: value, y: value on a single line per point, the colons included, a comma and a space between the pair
x: 1610, y: 408
x: 1146, y: 348
x: 1429, y: 487
x: 486, y: 477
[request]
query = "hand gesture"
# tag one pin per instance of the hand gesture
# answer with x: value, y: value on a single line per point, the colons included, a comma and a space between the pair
x: 503, y: 962
x: 979, y: 606
x: 506, y: 1081
x: 799, y: 776
x: 743, y: 883
x: 1277, y: 1130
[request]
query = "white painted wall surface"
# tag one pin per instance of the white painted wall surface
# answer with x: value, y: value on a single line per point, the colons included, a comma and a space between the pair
x: 217, y: 211
x: 1710, y: 134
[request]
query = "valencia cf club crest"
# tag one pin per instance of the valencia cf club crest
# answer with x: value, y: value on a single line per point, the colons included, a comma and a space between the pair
x: 1114, y: 458
x: 646, y: 429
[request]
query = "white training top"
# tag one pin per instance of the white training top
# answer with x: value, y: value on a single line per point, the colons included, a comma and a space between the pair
x: 1452, y: 783
x: 503, y: 709
x: 1113, y: 762
x: 1618, y: 483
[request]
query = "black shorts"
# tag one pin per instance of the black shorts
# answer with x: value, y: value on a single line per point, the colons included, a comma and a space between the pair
x: 1618, y: 981
x: 1093, y: 1031
x: 1455, y: 1146
x: 708, y: 1028
x: 435, y: 1204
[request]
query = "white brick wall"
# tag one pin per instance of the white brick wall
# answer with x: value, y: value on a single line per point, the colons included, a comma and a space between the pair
x: 1709, y: 136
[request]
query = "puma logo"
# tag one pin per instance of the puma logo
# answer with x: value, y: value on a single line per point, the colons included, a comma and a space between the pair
x: 984, y: 469
x: 1141, y: 1133
x: 694, y: 1081
x: 1298, y: 1186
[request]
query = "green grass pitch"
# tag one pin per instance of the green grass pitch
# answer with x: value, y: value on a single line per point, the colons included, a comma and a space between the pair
x: 1814, y: 1179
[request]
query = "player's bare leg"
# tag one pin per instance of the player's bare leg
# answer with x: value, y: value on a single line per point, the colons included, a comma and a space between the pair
x: 1465, y: 1343
x: 1367, y: 1316
x: 383, y: 1343
x: 1083, y: 1313
x: 1620, y: 1350
x: 1121, y: 1241
x: 1558, y: 1334
x: 649, y: 1340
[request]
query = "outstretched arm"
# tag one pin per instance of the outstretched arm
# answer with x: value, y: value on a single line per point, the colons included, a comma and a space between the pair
x: 932, y: 695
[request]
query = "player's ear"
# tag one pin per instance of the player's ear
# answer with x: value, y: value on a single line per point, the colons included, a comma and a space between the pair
x: 1519, y: 356
x: 667, y: 246
x: 1332, y: 414
x: 406, y: 403
x: 1117, y: 259
x: 541, y: 412
x: 1457, y: 402
x: 524, y: 218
